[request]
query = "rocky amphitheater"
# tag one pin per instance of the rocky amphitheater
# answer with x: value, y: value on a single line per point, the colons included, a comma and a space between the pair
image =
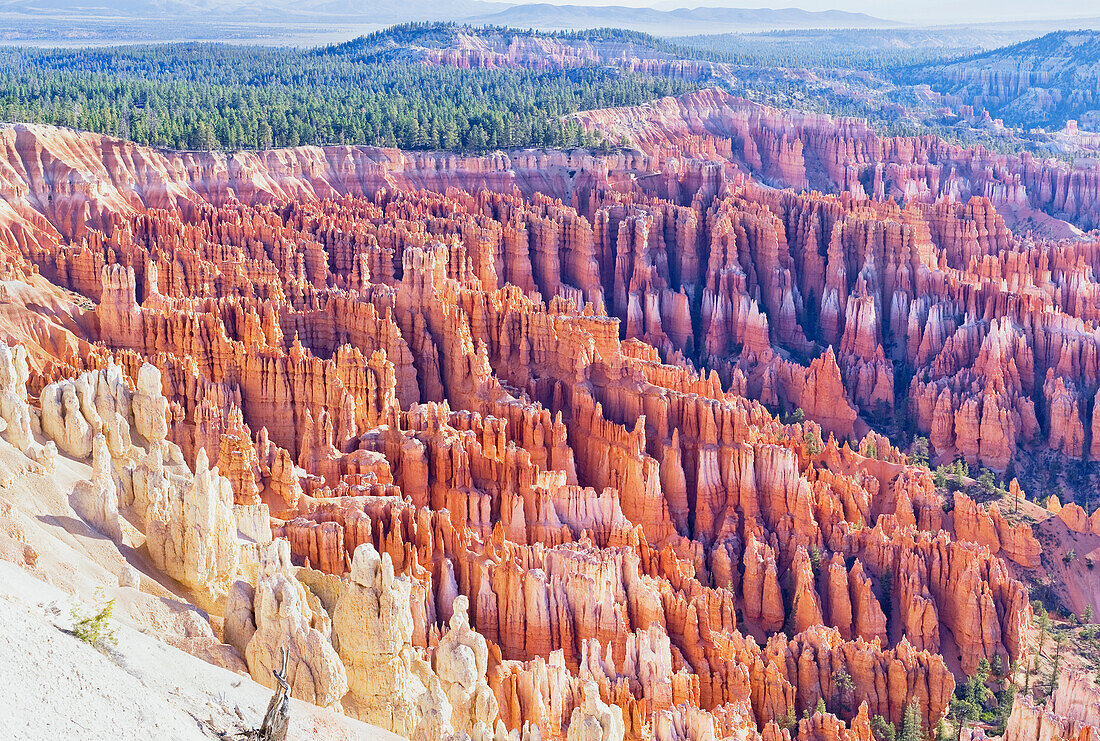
x: 507, y: 446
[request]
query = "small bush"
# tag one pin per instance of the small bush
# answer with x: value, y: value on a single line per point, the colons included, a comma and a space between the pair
x: 815, y: 559
x: 813, y: 443
x: 95, y: 629
x: 919, y: 451
x: 843, y: 681
x: 882, y: 729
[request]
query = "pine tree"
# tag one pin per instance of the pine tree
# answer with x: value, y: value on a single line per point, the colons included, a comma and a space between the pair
x: 1059, y: 644
x: 882, y: 729
x: 911, y: 728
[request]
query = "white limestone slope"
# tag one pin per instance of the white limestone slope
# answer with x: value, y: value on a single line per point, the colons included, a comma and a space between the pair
x: 59, y: 687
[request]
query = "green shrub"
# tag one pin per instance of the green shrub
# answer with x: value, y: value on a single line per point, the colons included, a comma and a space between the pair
x: 815, y: 560
x: 911, y: 725
x: 882, y: 729
x: 918, y: 451
x: 95, y: 628
x: 814, y: 446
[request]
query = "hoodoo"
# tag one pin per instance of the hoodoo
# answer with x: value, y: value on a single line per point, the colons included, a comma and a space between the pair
x: 566, y: 444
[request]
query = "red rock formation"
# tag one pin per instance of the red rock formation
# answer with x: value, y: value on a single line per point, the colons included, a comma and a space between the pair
x: 237, y: 460
x: 993, y: 531
x: 539, y: 383
x: 1073, y: 712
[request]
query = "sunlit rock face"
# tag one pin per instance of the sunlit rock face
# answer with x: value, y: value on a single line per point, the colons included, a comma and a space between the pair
x: 518, y: 420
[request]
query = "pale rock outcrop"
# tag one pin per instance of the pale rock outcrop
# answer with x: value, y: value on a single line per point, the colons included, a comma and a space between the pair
x: 150, y: 482
x: 283, y: 620
x: 434, y: 713
x: 113, y: 405
x: 253, y: 523
x: 96, y: 500
x: 14, y: 410
x: 1078, y: 697
x: 192, y: 532
x: 461, y: 660
x: 373, y: 625
x: 74, y: 410
x: 238, y: 620
x: 150, y: 406
x: 595, y: 720
x: 63, y: 421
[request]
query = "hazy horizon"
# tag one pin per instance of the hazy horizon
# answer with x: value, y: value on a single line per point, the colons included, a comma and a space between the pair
x: 935, y: 12
x: 306, y: 22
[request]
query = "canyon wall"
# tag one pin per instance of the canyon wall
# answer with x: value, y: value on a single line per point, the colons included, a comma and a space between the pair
x: 505, y: 434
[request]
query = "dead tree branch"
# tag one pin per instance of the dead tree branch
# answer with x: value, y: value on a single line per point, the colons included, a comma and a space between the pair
x: 277, y: 718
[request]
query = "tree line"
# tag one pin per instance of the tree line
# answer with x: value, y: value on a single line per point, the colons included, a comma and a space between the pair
x: 217, y: 96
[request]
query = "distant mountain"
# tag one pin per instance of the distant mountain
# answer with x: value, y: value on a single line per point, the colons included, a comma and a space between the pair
x: 864, y: 49
x: 541, y: 16
x: 106, y: 7
x: 928, y: 12
x: 1040, y: 82
x: 395, y: 10
x: 681, y: 21
x: 371, y: 11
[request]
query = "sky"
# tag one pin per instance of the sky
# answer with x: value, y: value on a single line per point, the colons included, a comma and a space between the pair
x: 926, y: 12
